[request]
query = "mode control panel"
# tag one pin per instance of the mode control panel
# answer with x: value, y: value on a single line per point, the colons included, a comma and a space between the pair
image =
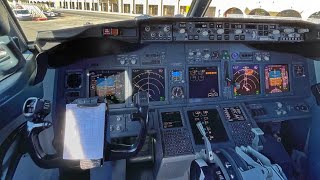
x: 156, y: 32
x: 232, y: 31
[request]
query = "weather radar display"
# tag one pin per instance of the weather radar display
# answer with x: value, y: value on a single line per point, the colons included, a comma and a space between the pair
x: 277, y: 78
x: 150, y: 80
x: 247, y: 79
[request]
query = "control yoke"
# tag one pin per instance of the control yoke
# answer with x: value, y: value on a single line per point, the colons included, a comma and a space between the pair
x: 35, y: 110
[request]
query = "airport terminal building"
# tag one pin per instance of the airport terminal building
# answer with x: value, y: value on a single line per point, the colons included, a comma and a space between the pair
x: 218, y: 8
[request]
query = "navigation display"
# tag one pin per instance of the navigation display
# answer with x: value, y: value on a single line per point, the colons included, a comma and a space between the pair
x: 247, y: 79
x: 150, y: 80
x: 212, y: 124
x: 109, y: 84
x: 203, y: 82
x: 171, y: 119
x: 276, y: 78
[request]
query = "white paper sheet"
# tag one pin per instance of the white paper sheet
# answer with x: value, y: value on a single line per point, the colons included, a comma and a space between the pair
x: 84, y: 132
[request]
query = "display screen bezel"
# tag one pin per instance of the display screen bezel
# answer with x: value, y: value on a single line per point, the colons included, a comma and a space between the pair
x: 168, y: 111
x: 165, y: 83
x: 105, y: 70
x: 261, y: 78
x: 289, y: 67
x: 192, y: 100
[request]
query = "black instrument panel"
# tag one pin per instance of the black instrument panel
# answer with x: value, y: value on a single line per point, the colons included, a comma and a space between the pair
x: 192, y: 75
x: 235, y: 72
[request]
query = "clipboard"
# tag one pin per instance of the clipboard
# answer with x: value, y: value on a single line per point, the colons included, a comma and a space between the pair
x: 85, y: 128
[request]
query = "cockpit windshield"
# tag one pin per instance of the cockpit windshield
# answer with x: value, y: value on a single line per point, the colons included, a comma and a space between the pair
x: 50, y: 15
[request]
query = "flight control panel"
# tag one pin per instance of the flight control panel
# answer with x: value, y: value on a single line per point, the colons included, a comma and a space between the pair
x: 226, y: 87
x: 199, y: 72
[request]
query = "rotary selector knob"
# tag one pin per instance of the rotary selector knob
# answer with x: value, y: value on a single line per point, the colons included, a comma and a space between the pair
x: 276, y: 32
x: 190, y: 53
x: 266, y: 58
x: 238, y: 31
x: 198, y: 53
x: 205, y: 33
x: 254, y: 35
x: 279, y: 105
x: 303, y: 30
x: 182, y: 31
x: 122, y: 61
x: 258, y: 58
x: 220, y: 31
x: 119, y: 127
x: 206, y: 56
x: 288, y: 30
x: 166, y: 28
x: 278, y: 112
x: 291, y: 35
x: 147, y: 28
x: 133, y: 61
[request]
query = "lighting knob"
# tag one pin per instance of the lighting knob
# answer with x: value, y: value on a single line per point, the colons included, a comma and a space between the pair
x: 258, y: 58
x: 278, y: 112
x: 303, y: 30
x: 147, y: 28
x: 182, y: 31
x: 205, y: 33
x: 119, y: 128
x: 166, y: 29
x: 133, y: 61
x: 279, y: 104
x: 198, y: 53
x: 122, y: 61
x: 266, y: 58
x: 254, y: 34
x: 238, y: 31
x: 288, y: 30
x: 190, y: 53
x: 206, y: 56
x: 276, y: 32
x: 291, y: 35
x: 220, y: 31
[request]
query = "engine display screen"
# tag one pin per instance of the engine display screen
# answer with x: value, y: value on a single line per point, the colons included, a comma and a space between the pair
x: 109, y: 84
x: 150, y: 80
x: 203, y: 82
x: 171, y: 119
x: 247, y: 79
x: 212, y: 124
x: 276, y: 78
